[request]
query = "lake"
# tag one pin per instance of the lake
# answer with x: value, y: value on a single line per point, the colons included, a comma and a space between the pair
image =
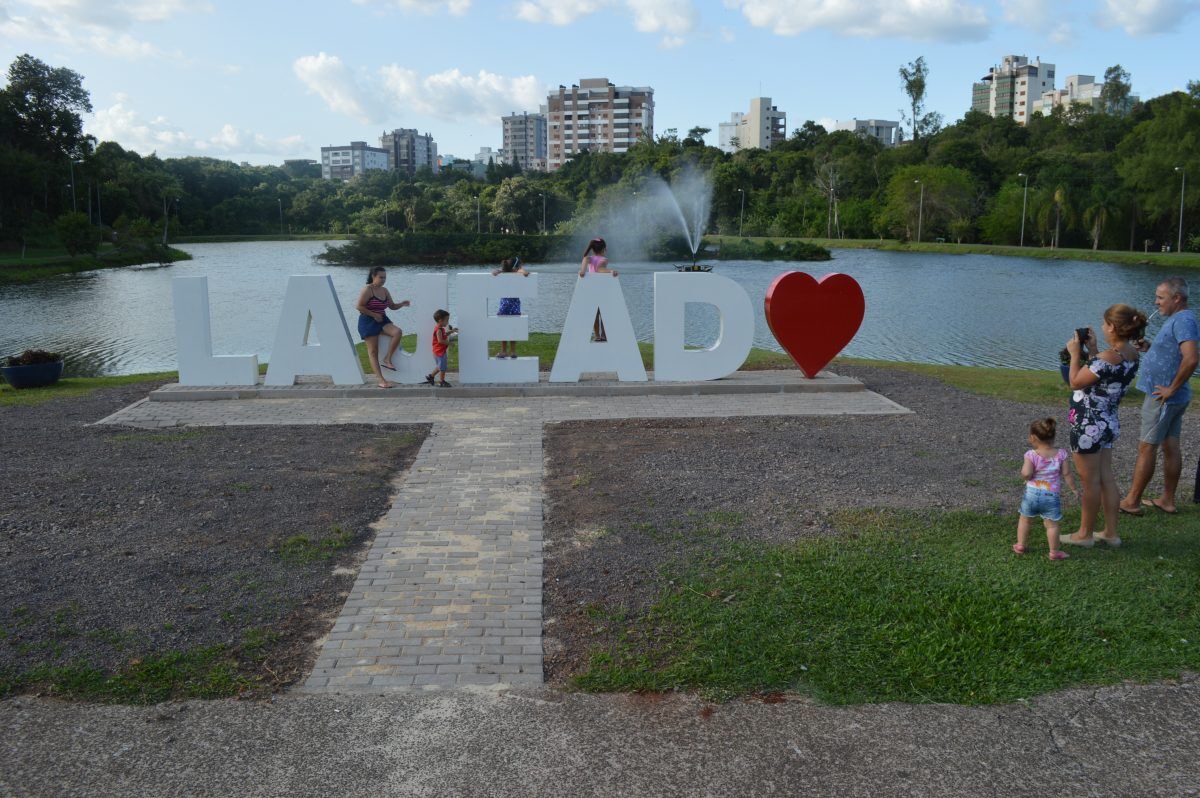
x: 958, y: 309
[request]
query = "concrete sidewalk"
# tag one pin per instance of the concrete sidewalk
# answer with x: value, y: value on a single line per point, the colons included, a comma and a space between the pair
x: 1116, y: 741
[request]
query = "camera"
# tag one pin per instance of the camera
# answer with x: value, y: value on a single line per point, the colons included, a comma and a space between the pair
x: 1082, y: 334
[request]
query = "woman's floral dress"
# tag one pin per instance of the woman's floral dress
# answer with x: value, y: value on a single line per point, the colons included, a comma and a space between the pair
x: 1093, y: 417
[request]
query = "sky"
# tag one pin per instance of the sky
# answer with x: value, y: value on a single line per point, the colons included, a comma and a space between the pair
x: 260, y: 82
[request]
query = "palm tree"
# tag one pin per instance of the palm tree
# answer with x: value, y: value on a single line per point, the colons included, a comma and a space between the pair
x: 1103, y: 206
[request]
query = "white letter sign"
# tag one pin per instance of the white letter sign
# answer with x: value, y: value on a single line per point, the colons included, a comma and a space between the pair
x: 193, y: 340
x: 735, y: 336
x: 577, y: 355
x: 477, y: 328
x: 309, y: 300
x: 428, y: 293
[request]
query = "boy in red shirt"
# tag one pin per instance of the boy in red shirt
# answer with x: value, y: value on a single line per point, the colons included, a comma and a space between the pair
x: 442, y: 334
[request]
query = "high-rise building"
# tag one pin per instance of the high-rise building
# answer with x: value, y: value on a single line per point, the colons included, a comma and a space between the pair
x: 886, y: 132
x: 595, y: 115
x: 524, y: 141
x: 761, y: 128
x: 410, y: 151
x: 351, y: 160
x: 1011, y: 88
x: 1079, y: 90
x: 728, y: 138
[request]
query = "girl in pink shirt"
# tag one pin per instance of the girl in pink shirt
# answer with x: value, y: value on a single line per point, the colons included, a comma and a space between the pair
x: 1044, y: 469
x: 594, y: 262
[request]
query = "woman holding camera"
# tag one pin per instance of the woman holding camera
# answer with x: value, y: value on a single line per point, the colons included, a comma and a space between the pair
x: 1098, y: 387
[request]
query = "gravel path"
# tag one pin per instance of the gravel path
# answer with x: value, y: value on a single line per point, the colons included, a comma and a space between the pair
x: 119, y: 543
x: 625, y: 498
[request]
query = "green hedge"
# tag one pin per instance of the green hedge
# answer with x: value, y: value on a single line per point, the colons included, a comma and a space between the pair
x: 447, y: 248
x: 769, y: 250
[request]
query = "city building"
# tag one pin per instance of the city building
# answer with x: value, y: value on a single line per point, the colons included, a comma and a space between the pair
x: 487, y: 154
x: 885, y: 131
x: 1011, y: 88
x: 351, y: 160
x: 598, y: 116
x: 728, y: 139
x: 524, y: 141
x: 761, y: 128
x: 410, y: 151
x: 1078, y: 90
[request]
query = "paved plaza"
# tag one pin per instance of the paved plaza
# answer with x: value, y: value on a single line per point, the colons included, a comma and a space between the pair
x: 450, y: 593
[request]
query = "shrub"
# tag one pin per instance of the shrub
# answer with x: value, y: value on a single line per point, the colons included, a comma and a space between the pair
x: 32, y: 357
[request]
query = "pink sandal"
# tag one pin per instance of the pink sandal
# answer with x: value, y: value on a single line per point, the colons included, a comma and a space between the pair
x: 1019, y: 549
x: 1059, y: 554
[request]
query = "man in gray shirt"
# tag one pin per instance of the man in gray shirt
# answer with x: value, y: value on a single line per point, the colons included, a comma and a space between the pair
x: 1164, y: 374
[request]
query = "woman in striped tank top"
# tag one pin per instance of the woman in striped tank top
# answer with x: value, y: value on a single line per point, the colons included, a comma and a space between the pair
x: 373, y: 304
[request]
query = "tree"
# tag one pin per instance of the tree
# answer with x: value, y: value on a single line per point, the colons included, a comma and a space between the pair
x: 41, y: 109
x: 913, y: 77
x: 695, y: 136
x: 1114, y: 95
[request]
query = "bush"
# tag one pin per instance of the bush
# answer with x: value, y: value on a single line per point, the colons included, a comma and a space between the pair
x: 446, y: 248
x: 78, y: 234
x: 769, y: 250
x: 33, y: 357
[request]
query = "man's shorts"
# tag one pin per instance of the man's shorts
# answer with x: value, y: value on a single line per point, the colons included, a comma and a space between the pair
x: 1045, y: 503
x: 1161, y: 420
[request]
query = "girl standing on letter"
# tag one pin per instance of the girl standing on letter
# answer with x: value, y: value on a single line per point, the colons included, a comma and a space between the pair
x: 595, y: 262
x: 373, y: 303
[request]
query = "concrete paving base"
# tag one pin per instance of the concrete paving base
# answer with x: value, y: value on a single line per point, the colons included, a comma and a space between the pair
x: 741, y: 382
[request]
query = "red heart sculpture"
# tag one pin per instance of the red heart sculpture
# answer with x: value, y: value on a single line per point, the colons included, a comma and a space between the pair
x: 812, y: 319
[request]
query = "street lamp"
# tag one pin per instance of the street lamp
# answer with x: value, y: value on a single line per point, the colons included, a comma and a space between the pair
x: 741, y: 212
x: 1182, y: 185
x: 920, y: 210
x: 73, y: 208
x: 280, y: 201
x: 385, y: 219
x: 478, y: 218
x: 1024, y: 198
x: 543, y: 213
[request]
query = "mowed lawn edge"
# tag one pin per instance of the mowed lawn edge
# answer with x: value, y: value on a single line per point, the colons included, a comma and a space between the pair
x: 914, y: 607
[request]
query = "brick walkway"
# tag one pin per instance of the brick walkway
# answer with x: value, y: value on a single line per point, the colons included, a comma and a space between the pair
x: 451, y: 590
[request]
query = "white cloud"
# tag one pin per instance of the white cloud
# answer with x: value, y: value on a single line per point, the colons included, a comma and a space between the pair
x: 558, y: 12
x: 452, y: 95
x: 396, y: 91
x: 94, y: 25
x: 727, y: 34
x: 328, y: 77
x: 670, y: 42
x: 121, y: 123
x: 1036, y: 16
x: 951, y: 20
x: 1146, y: 17
x: 455, y: 7
x: 673, y: 17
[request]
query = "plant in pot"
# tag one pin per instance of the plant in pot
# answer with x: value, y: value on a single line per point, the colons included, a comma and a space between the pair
x: 33, y: 368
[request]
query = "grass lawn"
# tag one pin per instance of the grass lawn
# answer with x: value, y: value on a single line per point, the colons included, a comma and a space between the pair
x: 918, y: 607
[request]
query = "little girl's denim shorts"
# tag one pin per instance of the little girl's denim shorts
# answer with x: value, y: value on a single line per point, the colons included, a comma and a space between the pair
x: 1038, y: 501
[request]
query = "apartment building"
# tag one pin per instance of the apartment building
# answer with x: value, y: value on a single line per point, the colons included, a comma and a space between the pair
x: 1011, y: 88
x: 598, y: 116
x: 761, y: 128
x: 524, y: 140
x: 728, y: 138
x: 351, y: 160
x: 1078, y: 90
x: 410, y: 151
x: 884, y: 131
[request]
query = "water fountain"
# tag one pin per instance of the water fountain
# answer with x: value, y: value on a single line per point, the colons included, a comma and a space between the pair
x: 690, y: 198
